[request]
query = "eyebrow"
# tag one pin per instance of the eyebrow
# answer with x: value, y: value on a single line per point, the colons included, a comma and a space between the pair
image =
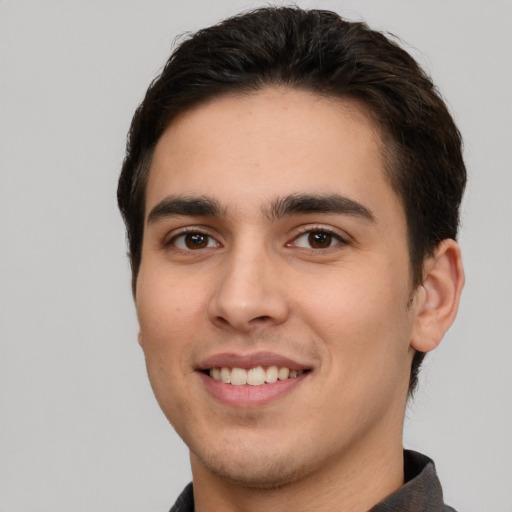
x: 203, y: 206
x: 314, y: 203
x: 185, y: 205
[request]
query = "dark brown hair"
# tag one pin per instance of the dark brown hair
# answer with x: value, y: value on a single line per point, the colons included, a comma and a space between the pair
x: 318, y: 51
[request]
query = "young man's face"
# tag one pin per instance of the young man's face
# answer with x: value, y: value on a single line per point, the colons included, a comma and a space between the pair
x: 274, y: 240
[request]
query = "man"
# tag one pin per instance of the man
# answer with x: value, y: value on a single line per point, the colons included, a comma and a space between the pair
x: 291, y: 192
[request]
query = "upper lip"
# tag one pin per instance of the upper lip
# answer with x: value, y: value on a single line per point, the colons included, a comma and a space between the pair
x: 247, y: 361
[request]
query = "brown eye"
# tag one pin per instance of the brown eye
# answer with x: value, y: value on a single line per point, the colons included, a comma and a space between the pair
x: 194, y: 241
x: 319, y: 239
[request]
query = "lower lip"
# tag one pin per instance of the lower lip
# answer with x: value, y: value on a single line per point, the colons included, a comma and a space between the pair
x: 250, y: 396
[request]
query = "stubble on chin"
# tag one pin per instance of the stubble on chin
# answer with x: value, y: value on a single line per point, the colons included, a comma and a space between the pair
x: 256, y: 471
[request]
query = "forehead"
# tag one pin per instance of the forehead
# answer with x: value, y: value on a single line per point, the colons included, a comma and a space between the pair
x: 246, y: 149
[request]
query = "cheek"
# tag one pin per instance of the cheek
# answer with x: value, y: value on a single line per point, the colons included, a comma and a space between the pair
x: 164, y: 322
x: 166, y: 311
x: 361, y: 316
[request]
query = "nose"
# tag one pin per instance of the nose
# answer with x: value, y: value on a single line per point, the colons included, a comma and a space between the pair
x: 249, y: 294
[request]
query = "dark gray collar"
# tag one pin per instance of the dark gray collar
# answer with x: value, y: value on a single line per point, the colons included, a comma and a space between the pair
x: 421, y: 491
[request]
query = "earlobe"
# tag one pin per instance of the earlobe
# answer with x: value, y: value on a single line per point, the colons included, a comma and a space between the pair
x: 139, y: 338
x: 437, y: 298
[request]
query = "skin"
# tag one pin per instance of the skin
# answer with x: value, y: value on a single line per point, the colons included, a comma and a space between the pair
x: 347, y: 311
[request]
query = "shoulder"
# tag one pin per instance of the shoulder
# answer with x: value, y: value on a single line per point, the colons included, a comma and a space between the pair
x: 185, y: 501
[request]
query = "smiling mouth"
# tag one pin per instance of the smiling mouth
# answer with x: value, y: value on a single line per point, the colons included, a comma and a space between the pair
x: 256, y: 376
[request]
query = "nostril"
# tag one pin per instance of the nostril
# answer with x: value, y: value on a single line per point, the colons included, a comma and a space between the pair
x: 262, y: 318
x: 221, y: 320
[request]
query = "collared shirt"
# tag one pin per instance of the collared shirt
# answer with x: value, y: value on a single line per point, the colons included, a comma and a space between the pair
x: 421, y: 491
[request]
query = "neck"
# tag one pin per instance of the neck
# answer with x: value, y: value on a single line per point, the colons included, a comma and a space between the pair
x: 363, y: 477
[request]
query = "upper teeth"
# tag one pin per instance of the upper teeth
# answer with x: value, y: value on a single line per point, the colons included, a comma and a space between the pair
x: 254, y: 376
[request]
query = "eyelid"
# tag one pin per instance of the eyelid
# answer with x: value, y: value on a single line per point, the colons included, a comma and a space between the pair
x: 170, y: 238
x: 341, y: 236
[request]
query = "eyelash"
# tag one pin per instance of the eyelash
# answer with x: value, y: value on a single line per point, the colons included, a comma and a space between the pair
x: 189, y: 231
x: 333, y: 238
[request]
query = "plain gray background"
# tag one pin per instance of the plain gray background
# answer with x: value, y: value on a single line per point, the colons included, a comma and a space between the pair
x: 79, y: 427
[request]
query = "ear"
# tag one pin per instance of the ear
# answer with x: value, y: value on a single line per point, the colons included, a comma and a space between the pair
x: 436, y: 300
x: 139, y: 338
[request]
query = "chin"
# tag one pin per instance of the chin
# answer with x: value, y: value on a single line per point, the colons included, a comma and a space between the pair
x: 254, y: 469
x: 269, y: 475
